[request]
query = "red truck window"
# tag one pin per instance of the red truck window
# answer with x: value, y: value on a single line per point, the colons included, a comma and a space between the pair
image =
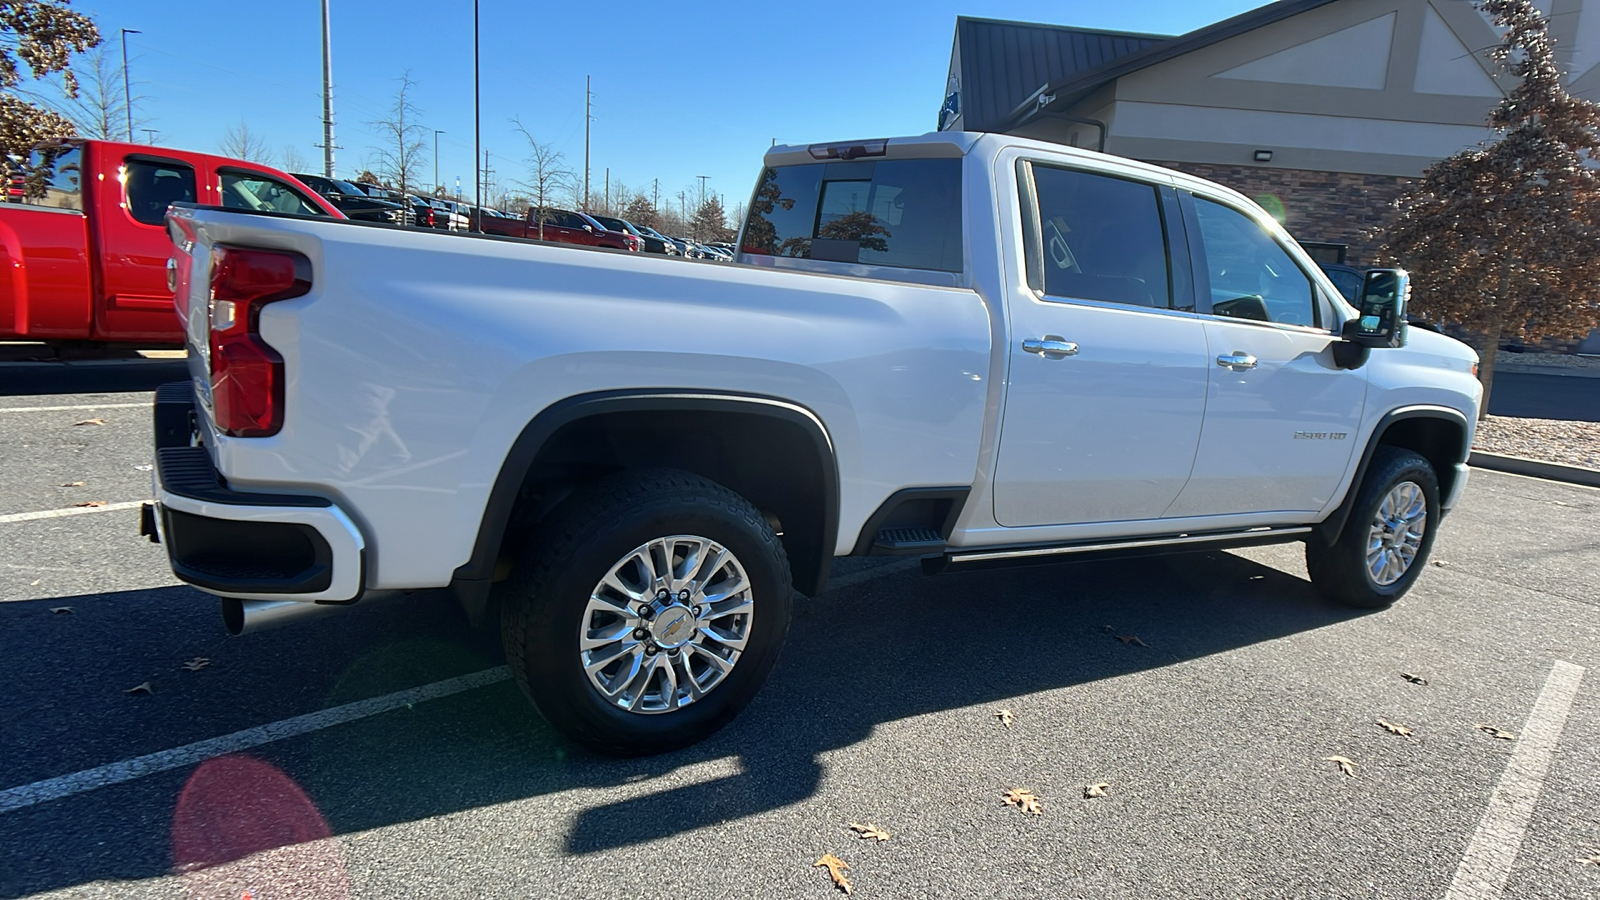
x: 153, y: 186
x: 55, y: 177
x: 262, y: 193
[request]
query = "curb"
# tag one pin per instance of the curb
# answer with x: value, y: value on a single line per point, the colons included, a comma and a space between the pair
x: 1533, y: 468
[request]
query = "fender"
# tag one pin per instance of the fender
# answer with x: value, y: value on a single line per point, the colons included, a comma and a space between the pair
x: 471, y: 581
x: 1329, y: 529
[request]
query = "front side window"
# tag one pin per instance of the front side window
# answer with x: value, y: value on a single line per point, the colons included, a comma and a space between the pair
x: 891, y: 212
x: 263, y: 193
x: 1251, y: 276
x: 1103, y: 238
x: 55, y: 177
x: 153, y: 186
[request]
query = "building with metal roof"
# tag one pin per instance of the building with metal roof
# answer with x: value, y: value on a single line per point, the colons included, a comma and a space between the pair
x: 1320, y: 109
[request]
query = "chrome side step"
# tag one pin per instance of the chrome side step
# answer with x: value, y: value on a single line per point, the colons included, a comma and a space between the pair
x: 1037, y: 554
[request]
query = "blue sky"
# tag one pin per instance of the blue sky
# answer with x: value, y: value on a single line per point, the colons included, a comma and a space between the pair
x: 681, y: 89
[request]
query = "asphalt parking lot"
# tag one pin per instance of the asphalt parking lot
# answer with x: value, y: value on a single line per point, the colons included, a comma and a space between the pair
x: 382, y: 752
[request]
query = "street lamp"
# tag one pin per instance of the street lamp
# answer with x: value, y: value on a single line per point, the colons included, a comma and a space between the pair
x: 436, y: 133
x: 127, y: 91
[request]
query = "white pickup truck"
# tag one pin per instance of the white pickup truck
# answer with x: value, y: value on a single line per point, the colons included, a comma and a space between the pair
x: 977, y: 349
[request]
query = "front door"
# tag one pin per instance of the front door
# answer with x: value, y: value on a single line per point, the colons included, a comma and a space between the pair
x: 1281, y: 417
x: 1108, y: 363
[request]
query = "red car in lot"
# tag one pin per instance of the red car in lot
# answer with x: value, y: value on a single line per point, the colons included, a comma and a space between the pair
x: 86, y: 250
x: 560, y: 225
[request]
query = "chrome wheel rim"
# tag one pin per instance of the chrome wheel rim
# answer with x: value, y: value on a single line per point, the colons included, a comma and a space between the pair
x: 666, y: 625
x: 1396, y: 535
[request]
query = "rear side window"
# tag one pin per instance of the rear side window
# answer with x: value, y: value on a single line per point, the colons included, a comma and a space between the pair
x: 1102, y: 238
x: 262, y: 193
x: 153, y: 186
x: 892, y: 212
x: 55, y: 177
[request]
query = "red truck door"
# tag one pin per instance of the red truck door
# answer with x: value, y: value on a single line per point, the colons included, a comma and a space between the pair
x: 129, y: 226
x: 45, y: 288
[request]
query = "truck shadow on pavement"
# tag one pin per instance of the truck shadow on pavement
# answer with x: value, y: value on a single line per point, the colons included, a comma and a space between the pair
x: 101, y: 376
x: 922, y: 645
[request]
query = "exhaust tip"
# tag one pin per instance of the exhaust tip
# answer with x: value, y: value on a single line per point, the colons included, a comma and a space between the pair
x: 248, y: 616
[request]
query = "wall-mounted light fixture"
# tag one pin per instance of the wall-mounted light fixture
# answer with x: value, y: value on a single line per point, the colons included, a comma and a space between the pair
x: 1263, y: 156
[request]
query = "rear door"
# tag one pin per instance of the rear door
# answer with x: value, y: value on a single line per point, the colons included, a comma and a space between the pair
x: 1108, y: 361
x: 131, y: 238
x: 1280, y: 416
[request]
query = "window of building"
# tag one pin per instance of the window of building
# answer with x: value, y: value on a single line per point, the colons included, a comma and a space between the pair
x: 55, y: 177
x: 1251, y: 276
x: 152, y: 186
x: 1103, y: 238
x: 263, y: 193
x: 891, y: 212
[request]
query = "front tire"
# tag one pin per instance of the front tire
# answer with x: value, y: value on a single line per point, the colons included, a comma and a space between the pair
x: 1386, y: 540
x: 647, y: 612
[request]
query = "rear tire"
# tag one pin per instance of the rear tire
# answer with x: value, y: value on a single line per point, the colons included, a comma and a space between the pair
x: 647, y: 611
x: 1385, y: 543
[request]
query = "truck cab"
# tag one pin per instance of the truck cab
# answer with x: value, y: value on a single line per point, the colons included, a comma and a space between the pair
x: 87, y: 247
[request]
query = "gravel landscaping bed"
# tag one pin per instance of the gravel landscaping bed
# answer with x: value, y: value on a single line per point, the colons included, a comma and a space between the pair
x: 1547, y: 440
x: 1556, y: 360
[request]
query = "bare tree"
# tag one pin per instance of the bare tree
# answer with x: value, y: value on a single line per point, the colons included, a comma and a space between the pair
x: 1504, y: 238
x: 404, y: 153
x: 240, y: 142
x: 100, y: 107
x: 292, y: 159
x: 545, y: 173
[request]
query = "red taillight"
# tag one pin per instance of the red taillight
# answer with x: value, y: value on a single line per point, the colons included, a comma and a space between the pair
x: 246, y: 373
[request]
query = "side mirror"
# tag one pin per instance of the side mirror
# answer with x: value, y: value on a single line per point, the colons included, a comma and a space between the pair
x: 1382, y: 322
x: 589, y: 228
x: 1382, y: 303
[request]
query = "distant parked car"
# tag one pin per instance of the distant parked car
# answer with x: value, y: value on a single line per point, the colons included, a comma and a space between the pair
x: 352, y: 200
x: 419, y: 212
x: 561, y: 226
x: 651, y: 244
x: 671, y: 247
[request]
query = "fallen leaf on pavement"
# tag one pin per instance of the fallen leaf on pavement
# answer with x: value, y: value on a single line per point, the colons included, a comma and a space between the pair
x: 1592, y: 859
x: 73, y: 484
x: 869, y: 832
x: 1005, y: 717
x: 1345, y: 765
x: 1096, y: 790
x: 140, y: 689
x: 835, y: 867
x: 58, y: 610
x: 90, y: 422
x: 1414, y: 679
x: 1024, y: 800
x: 91, y: 503
x: 1494, y: 732
x: 1132, y: 639
x: 1440, y: 563
x: 1394, y: 728
x: 196, y: 664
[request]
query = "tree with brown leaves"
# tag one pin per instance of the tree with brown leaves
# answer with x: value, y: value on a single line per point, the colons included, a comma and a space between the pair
x: 1504, y: 238
x: 43, y: 35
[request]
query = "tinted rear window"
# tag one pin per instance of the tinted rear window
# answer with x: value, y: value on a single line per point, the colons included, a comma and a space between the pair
x: 892, y: 212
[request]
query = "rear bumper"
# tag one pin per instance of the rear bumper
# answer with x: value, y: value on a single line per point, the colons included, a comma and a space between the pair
x: 243, y: 544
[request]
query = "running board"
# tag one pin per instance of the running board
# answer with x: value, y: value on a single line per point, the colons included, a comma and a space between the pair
x: 1036, y: 554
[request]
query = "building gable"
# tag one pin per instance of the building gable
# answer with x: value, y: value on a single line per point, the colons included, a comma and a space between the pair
x: 1325, y: 60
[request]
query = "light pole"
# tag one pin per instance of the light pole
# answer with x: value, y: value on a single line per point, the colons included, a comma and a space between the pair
x: 149, y: 135
x: 127, y: 91
x: 477, y: 110
x: 436, y: 133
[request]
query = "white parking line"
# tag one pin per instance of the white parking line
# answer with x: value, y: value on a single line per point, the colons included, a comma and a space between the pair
x: 1487, y: 863
x: 26, y: 795
x: 130, y: 769
x: 74, y: 408
x: 70, y: 511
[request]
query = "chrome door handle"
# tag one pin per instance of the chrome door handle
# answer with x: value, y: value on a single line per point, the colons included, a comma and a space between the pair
x: 1237, y: 361
x: 1050, y: 347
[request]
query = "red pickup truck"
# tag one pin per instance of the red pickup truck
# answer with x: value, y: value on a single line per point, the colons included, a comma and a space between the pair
x: 561, y: 226
x: 85, y: 254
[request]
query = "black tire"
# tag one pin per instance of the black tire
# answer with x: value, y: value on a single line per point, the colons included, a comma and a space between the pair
x: 564, y: 560
x: 1339, y: 570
